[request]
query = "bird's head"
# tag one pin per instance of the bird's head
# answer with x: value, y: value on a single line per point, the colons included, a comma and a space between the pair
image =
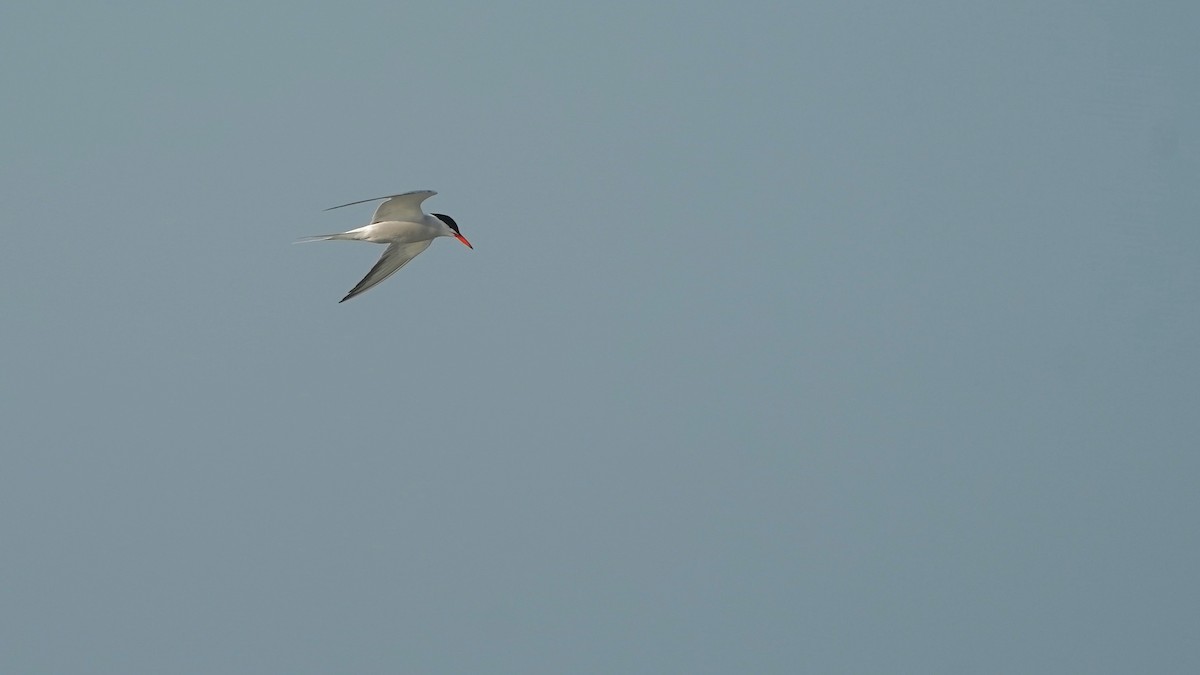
x: 454, y: 229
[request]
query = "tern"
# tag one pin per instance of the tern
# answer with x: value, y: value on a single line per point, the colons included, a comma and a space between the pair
x: 400, y: 223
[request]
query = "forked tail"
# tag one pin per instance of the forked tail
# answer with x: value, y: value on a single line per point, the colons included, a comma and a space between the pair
x: 324, y: 237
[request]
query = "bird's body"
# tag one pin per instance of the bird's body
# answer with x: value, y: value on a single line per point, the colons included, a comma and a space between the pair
x: 400, y: 223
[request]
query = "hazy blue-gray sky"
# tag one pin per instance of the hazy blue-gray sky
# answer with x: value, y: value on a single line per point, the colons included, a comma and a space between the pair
x: 815, y: 337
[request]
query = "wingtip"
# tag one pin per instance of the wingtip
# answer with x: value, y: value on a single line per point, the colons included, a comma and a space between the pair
x: 375, y: 199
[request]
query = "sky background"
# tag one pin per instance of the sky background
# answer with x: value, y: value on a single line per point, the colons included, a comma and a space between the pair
x: 829, y: 337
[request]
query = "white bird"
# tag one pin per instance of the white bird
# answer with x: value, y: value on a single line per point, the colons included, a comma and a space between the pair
x: 400, y: 223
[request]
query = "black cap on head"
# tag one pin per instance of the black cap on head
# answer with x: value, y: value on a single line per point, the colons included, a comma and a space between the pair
x: 447, y: 220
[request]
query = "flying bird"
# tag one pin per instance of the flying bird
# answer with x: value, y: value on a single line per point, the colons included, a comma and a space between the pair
x: 400, y: 223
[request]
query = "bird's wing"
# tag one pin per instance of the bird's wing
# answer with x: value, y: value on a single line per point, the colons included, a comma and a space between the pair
x: 395, y: 257
x: 405, y: 208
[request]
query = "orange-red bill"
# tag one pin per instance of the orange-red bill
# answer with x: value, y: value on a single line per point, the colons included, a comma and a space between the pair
x: 464, y: 241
